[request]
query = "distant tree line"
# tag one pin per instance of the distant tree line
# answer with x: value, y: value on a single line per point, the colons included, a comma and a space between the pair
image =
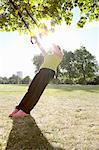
x: 15, y: 80
x: 78, y: 67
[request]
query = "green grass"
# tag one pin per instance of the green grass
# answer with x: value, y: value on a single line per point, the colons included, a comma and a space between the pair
x: 65, y: 118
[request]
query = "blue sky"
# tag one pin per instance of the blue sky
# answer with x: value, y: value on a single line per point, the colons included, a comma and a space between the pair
x: 16, y: 52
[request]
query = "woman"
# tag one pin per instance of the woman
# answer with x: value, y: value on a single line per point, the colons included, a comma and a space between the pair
x: 41, y: 79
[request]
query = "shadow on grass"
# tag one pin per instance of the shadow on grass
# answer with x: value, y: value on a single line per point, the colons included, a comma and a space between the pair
x: 70, y: 88
x: 26, y: 135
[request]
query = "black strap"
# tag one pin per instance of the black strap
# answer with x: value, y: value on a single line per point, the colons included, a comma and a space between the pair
x: 20, y: 15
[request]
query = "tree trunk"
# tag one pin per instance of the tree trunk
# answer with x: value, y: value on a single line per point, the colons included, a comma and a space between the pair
x: 84, y: 75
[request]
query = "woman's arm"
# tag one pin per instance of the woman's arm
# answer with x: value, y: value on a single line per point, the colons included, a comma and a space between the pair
x: 41, y: 48
x: 57, y: 51
x: 39, y: 45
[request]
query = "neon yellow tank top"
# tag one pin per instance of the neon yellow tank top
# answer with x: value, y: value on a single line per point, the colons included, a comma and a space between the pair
x: 51, y: 61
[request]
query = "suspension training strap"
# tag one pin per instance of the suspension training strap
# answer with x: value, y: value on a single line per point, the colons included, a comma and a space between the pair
x: 20, y: 15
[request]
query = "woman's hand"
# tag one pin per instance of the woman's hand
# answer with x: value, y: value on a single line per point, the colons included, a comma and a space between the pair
x: 33, y: 39
x: 37, y: 41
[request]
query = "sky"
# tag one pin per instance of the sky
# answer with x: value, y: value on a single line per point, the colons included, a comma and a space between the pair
x: 16, y: 51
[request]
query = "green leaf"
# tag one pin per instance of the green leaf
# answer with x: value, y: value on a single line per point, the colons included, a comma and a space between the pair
x: 56, y: 10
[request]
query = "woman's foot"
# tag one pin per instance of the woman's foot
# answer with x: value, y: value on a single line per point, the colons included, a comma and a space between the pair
x: 20, y: 114
x: 14, y: 112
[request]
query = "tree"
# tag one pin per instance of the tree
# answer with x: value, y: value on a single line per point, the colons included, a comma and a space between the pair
x: 96, y: 80
x: 37, y: 61
x: 3, y: 80
x: 14, y: 79
x: 85, y: 63
x: 80, y: 66
x: 67, y: 65
x: 18, y: 14
x: 26, y: 80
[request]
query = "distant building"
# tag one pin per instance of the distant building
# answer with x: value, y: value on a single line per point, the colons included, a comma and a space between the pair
x: 20, y: 74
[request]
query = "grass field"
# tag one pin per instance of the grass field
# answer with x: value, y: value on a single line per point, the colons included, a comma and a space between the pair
x: 65, y: 118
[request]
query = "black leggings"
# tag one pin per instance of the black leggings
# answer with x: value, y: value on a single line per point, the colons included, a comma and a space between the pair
x: 36, y: 89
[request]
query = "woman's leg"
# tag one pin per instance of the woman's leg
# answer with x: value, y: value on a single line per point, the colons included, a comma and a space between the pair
x: 35, y: 90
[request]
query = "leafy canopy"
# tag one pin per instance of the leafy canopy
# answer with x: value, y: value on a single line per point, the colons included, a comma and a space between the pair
x: 33, y: 11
